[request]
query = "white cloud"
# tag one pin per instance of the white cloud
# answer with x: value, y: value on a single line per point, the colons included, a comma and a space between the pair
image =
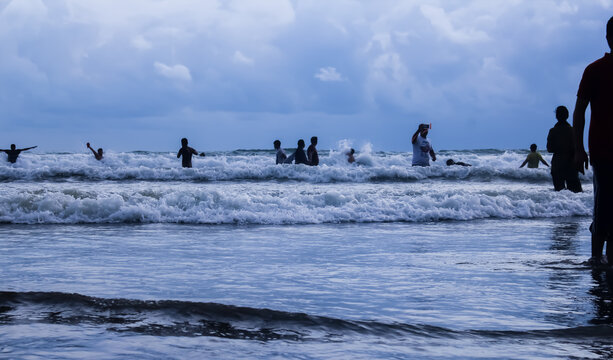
x: 175, y: 72
x: 441, y: 21
x: 141, y: 43
x: 328, y: 74
x: 240, y: 58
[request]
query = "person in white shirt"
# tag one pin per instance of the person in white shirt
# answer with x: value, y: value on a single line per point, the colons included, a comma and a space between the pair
x: 422, y: 149
x: 280, y: 153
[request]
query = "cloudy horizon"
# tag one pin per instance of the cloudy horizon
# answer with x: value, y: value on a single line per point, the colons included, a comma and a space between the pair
x: 140, y: 75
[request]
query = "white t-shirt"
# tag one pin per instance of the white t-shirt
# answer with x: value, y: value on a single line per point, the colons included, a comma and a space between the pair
x: 421, y: 151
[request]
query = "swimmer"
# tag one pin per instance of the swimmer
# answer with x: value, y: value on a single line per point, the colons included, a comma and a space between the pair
x: 312, y: 156
x: 450, y: 162
x: 533, y: 159
x: 280, y: 153
x: 187, y: 153
x: 350, y: 158
x: 13, y: 153
x: 97, y: 155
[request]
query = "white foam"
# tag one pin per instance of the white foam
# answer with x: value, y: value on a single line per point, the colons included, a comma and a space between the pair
x: 259, y: 166
x: 274, y: 203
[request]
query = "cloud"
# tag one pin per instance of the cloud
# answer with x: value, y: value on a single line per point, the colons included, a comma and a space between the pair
x: 140, y: 43
x: 328, y: 74
x: 441, y: 21
x: 240, y: 58
x: 176, y: 72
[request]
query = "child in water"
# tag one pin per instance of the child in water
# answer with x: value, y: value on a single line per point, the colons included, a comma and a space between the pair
x: 533, y: 159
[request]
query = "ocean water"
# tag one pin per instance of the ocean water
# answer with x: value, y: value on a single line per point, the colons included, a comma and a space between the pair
x: 135, y: 257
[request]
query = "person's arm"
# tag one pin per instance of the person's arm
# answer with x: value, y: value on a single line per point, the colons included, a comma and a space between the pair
x: 179, y: 153
x: 524, y: 163
x: 94, y: 151
x: 581, y: 160
x: 414, y: 137
x: 433, y: 154
x: 29, y: 148
x: 193, y: 151
x: 550, y: 147
x: 543, y: 160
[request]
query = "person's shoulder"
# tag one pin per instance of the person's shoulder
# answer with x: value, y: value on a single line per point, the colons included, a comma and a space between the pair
x: 604, y: 62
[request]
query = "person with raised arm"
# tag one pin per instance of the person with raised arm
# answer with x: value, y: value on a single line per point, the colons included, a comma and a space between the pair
x: 99, y: 154
x: 422, y: 149
x: 13, y: 152
x: 596, y: 90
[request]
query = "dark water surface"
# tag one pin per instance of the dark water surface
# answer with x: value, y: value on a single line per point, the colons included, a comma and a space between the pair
x: 477, y: 289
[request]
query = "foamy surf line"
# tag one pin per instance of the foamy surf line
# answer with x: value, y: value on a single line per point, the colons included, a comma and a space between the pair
x: 267, y: 204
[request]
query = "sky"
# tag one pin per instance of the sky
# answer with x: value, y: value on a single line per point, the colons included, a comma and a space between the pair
x: 141, y: 74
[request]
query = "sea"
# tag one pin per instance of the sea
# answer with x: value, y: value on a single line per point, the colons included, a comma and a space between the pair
x: 134, y: 257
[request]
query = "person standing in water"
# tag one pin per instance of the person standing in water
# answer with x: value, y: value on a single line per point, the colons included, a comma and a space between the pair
x: 422, y: 149
x: 187, y: 153
x: 298, y: 156
x: 596, y: 90
x: 561, y: 143
x: 350, y: 157
x: 13, y: 152
x: 533, y: 159
x: 98, y: 155
x: 280, y: 153
x: 312, y: 156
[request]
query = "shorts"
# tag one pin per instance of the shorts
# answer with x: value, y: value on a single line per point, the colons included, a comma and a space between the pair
x: 603, y: 199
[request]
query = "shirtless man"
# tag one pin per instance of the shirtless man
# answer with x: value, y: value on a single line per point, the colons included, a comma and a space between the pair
x: 312, y: 156
x: 187, y: 153
x: 97, y: 155
x: 13, y: 153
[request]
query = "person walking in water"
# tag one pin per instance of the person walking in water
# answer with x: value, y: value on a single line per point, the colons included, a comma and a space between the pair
x: 13, y: 153
x: 533, y: 159
x: 596, y: 90
x: 298, y: 156
x: 312, y: 156
x: 187, y: 153
x: 98, y: 155
x: 561, y: 143
x: 280, y: 153
x: 422, y: 149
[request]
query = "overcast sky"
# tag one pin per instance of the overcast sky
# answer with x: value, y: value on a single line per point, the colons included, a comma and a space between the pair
x: 141, y: 74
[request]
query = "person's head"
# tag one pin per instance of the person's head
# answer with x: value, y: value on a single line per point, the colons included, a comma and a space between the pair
x: 533, y: 147
x: 450, y: 162
x: 184, y: 142
x: 423, y: 129
x: 277, y: 144
x: 610, y: 33
x: 300, y: 144
x: 314, y: 140
x: 100, y: 152
x: 561, y: 113
x: 352, y: 151
x: 13, y: 146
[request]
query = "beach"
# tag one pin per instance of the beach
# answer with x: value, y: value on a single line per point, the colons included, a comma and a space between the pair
x: 239, y: 258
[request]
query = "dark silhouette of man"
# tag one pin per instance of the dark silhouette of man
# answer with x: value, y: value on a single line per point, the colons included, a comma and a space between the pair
x: 312, y: 156
x: 596, y: 89
x: 98, y: 155
x: 299, y: 157
x: 561, y: 142
x: 187, y: 153
x: 281, y: 157
x: 13, y: 153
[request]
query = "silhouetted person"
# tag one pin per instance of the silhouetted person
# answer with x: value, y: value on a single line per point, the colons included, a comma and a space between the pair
x: 596, y: 90
x: 561, y: 142
x: 312, y: 156
x: 533, y: 159
x: 422, y: 149
x: 98, y: 155
x: 281, y: 157
x: 298, y: 156
x: 13, y: 153
x: 187, y: 153
x: 450, y: 162
x: 350, y: 157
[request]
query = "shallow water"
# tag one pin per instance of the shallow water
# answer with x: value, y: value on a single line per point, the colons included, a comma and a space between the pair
x: 134, y: 257
x: 516, y: 288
